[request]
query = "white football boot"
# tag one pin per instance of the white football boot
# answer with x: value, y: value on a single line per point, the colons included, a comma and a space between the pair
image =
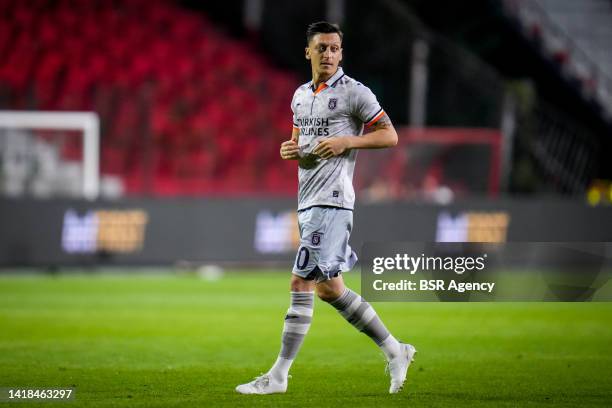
x: 398, y: 367
x: 264, y: 384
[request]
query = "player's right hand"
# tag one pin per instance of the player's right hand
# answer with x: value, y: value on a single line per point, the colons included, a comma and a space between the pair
x: 289, y: 150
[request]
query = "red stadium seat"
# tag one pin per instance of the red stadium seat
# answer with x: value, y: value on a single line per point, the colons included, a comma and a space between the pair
x: 208, y: 109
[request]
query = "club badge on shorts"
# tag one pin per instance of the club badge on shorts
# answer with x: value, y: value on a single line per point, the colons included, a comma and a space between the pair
x: 333, y: 102
x: 316, y: 238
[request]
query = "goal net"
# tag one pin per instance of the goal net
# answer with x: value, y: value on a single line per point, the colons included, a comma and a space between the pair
x: 49, y: 154
x: 432, y: 164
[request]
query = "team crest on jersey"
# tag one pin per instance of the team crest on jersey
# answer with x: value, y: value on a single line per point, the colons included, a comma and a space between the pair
x: 316, y: 238
x: 333, y: 102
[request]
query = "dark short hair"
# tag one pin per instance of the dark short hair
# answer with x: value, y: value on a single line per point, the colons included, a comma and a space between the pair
x: 322, y: 27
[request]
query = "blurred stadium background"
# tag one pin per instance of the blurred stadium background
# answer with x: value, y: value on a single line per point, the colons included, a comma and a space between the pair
x: 126, y: 123
x: 140, y: 133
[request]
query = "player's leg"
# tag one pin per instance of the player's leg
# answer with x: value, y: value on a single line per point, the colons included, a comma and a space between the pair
x: 298, y: 317
x: 297, y: 323
x: 364, y: 318
x: 337, y: 255
x: 359, y: 313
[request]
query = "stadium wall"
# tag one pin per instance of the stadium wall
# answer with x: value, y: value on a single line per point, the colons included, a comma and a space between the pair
x: 143, y: 232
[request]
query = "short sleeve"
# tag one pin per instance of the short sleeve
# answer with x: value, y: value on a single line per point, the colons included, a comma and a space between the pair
x: 365, y: 106
x: 293, y: 110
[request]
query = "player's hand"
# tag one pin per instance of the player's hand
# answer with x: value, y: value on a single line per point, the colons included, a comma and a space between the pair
x: 289, y: 150
x: 334, y: 146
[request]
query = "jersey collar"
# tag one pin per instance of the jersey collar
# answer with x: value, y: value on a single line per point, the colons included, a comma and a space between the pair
x: 330, y: 82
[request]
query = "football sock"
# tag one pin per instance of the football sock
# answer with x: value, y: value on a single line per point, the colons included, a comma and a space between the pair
x: 297, y: 323
x: 391, y: 347
x: 362, y: 316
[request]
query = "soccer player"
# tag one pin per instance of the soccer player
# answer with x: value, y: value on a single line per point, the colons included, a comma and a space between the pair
x: 329, y: 116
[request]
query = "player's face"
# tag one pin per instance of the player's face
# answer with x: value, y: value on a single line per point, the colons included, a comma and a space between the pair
x: 325, y: 53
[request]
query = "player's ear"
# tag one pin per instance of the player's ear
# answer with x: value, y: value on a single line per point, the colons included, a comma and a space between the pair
x: 341, y: 55
x: 307, y: 52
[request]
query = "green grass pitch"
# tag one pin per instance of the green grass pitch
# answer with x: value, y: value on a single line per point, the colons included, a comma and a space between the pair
x: 167, y: 340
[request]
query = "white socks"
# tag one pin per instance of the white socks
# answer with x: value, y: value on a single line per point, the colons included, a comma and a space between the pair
x: 280, y: 369
x: 297, y: 323
x: 391, y: 347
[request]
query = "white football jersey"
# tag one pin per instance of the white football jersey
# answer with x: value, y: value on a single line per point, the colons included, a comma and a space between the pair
x: 341, y: 106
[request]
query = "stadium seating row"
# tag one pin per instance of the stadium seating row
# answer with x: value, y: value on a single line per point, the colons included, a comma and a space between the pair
x: 185, y: 109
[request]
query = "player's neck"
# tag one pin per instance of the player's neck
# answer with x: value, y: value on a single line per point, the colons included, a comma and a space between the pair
x: 318, y: 79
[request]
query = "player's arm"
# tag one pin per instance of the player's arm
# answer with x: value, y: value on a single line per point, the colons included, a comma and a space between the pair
x: 289, y: 149
x: 379, y: 135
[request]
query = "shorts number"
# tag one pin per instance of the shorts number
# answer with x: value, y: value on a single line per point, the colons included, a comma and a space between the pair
x: 302, y: 258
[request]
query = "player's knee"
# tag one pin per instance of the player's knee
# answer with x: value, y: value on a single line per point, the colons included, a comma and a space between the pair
x: 328, y: 294
x: 301, y: 285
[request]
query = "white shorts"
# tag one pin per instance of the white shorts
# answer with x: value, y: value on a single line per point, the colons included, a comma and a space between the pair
x: 324, y: 251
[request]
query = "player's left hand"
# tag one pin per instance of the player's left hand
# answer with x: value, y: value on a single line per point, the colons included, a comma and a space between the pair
x: 334, y: 146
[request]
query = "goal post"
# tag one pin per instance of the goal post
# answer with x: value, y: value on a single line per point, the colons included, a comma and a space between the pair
x: 86, y: 122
